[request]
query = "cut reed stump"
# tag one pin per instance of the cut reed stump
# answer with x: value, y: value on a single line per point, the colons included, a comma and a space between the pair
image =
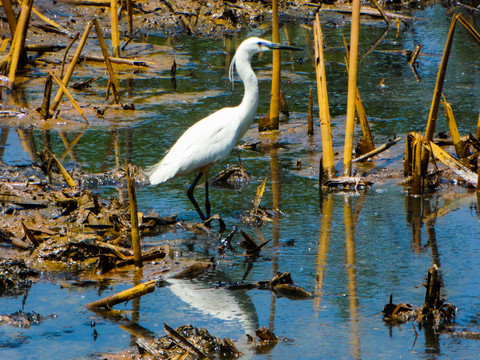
x: 435, y: 311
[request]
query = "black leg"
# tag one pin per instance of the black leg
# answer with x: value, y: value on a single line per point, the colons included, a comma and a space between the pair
x: 240, y: 160
x: 192, y: 199
x: 207, y: 200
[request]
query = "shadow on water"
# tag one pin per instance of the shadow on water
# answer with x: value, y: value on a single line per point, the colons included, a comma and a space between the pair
x: 351, y: 249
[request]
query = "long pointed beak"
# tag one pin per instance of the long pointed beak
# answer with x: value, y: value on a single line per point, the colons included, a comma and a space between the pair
x: 274, y: 46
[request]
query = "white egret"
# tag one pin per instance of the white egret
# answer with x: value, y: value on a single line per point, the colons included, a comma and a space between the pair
x: 211, y: 139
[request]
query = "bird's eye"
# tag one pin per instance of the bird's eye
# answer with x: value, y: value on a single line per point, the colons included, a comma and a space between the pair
x: 259, y: 43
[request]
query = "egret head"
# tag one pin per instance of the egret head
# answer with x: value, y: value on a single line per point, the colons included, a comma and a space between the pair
x: 252, y: 46
x: 255, y: 45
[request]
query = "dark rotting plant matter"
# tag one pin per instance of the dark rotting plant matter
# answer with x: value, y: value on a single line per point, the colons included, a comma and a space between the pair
x: 436, y: 312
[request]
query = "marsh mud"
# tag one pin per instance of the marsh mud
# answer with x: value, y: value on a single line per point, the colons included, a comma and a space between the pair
x: 68, y: 228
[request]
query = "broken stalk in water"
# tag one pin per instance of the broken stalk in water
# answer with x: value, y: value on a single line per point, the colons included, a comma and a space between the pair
x: 458, y: 143
x: 123, y: 296
x: 327, y: 146
x: 114, y: 28
x: 17, y: 51
x: 352, y: 89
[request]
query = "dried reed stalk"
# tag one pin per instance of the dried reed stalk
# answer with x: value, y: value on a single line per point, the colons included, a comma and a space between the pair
x: 123, y: 296
x: 324, y: 112
x: 352, y: 89
x: 9, y: 13
x: 137, y: 249
x: 18, y: 42
x: 108, y: 63
x: 275, y: 93
x: 362, y: 116
x: 458, y: 143
x: 72, y: 65
x: 70, y: 97
x: 114, y: 28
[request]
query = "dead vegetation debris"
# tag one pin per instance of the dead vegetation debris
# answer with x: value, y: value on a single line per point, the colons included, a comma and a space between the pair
x: 16, y: 278
x: 436, y: 312
x: 21, y: 319
x: 69, y: 228
x: 184, y: 342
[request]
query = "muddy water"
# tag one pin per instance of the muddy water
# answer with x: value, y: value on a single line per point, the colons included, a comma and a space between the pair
x: 352, y: 276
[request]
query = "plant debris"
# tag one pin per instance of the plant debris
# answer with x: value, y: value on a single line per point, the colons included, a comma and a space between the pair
x: 435, y: 312
x: 186, y: 342
x: 16, y: 278
x: 23, y: 319
x: 70, y: 227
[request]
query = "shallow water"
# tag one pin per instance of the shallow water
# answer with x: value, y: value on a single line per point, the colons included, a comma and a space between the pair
x: 352, y: 278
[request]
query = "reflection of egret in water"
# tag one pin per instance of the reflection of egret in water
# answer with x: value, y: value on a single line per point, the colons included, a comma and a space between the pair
x: 220, y: 303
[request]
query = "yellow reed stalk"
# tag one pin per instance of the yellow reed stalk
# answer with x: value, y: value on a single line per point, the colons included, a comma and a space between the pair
x: 352, y: 89
x: 51, y: 22
x: 324, y: 112
x: 432, y: 116
x: 452, y: 125
x: 18, y: 42
x: 362, y: 116
x: 4, y: 43
x: 12, y: 21
x: 108, y: 63
x: 477, y: 133
x: 123, y: 296
x: 70, y: 97
x: 48, y: 158
x: 456, y: 166
x: 417, y: 181
x: 275, y: 93
x: 130, y: 18
x: 462, y: 20
x: 72, y: 65
x: 114, y: 27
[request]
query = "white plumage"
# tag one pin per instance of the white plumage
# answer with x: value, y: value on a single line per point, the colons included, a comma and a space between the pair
x: 211, y: 139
